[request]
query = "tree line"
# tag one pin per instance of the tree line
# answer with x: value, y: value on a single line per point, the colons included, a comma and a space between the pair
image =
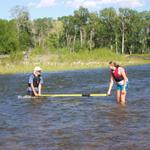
x: 124, y: 31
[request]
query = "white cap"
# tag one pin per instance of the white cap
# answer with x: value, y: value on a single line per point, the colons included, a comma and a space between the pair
x: 37, y: 69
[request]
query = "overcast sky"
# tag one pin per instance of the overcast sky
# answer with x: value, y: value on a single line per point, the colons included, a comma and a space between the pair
x: 58, y: 8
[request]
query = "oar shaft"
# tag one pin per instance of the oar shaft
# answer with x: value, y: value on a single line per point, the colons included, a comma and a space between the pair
x: 73, y: 95
x: 61, y: 95
x: 98, y: 94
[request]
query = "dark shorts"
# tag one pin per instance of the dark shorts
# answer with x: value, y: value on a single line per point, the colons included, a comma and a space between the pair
x: 30, y: 93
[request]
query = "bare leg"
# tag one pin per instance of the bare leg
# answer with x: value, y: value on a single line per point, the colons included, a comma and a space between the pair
x: 123, y: 98
x: 118, y: 96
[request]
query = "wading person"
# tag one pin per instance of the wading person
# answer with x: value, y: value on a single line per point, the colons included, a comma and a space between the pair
x: 118, y: 74
x: 35, y: 82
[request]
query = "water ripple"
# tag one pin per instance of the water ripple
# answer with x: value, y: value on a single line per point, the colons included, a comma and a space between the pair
x: 81, y: 123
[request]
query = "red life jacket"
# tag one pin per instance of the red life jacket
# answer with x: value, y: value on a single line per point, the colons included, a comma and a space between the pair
x: 117, y: 77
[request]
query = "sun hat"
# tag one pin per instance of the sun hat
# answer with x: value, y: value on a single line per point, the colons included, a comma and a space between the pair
x: 37, y: 69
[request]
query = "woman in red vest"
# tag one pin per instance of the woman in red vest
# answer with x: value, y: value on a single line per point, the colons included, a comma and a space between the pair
x: 118, y: 74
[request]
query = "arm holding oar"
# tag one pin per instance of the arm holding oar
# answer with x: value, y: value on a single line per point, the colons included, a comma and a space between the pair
x: 110, y: 85
x: 35, y: 93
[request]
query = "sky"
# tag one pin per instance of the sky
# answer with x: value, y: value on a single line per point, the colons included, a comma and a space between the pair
x: 58, y: 8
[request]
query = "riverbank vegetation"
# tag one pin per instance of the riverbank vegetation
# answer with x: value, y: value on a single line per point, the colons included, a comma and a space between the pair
x: 82, y: 40
x: 63, y: 60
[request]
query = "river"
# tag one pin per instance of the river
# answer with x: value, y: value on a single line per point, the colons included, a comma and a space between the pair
x: 75, y: 123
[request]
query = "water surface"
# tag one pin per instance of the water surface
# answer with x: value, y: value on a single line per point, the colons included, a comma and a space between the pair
x: 75, y: 123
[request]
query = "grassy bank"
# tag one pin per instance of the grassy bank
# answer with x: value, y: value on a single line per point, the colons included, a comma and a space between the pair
x: 63, y: 60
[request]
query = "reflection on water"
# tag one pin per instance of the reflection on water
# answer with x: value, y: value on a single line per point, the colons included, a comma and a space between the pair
x: 78, y: 123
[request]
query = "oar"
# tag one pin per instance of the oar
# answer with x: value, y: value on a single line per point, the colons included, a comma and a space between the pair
x: 102, y: 95
x: 73, y: 95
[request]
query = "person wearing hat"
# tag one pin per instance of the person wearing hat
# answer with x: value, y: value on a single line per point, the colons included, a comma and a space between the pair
x: 35, y: 82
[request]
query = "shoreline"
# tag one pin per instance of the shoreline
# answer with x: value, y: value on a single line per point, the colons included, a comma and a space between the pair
x: 58, y: 61
x: 65, y: 66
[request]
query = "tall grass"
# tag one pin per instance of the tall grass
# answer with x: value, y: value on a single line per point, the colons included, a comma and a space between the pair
x: 64, y: 60
x: 94, y: 55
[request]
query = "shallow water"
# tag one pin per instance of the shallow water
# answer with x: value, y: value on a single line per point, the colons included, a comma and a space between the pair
x: 75, y: 123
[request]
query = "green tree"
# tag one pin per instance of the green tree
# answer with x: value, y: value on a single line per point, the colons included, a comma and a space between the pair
x: 92, y: 29
x: 23, y: 24
x: 109, y: 18
x: 70, y: 32
x: 8, y: 37
x: 55, y: 34
x: 81, y: 17
x: 145, y: 32
x: 41, y: 31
